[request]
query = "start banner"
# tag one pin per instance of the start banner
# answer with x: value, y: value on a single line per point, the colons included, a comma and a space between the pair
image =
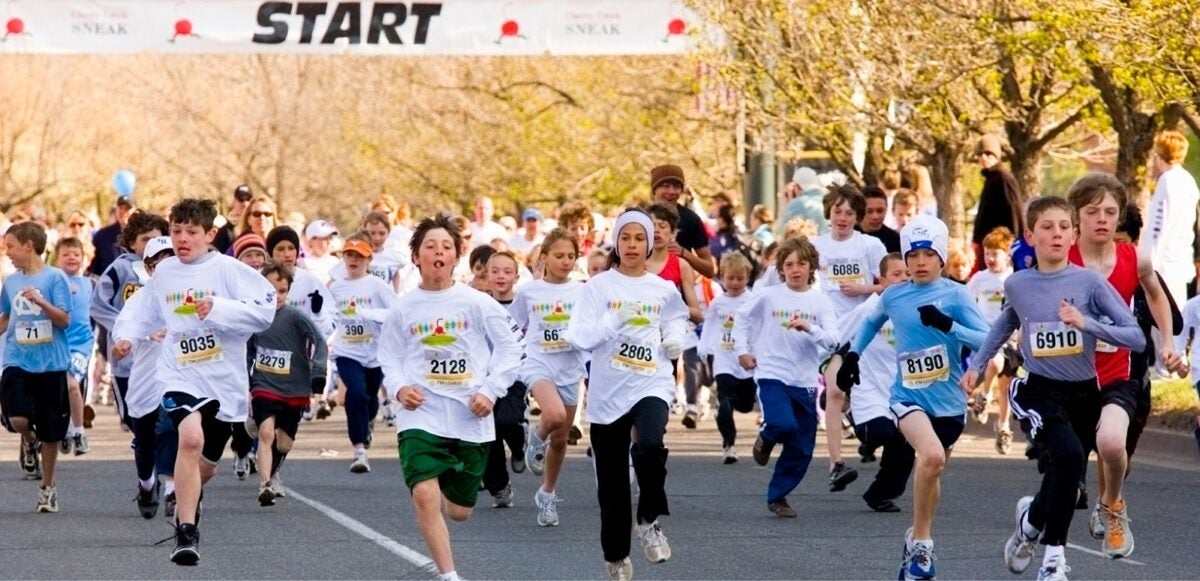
x: 449, y: 27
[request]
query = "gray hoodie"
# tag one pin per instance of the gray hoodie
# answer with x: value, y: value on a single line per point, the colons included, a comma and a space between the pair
x: 120, y: 280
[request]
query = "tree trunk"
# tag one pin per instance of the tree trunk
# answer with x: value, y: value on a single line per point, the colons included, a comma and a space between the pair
x: 1026, y: 167
x: 945, y: 174
x: 1135, y: 131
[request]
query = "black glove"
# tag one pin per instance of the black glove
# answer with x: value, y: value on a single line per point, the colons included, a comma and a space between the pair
x: 847, y: 375
x: 931, y: 316
x: 315, y: 302
x: 318, y: 384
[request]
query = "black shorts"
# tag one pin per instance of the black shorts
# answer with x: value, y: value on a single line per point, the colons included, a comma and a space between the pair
x: 947, y: 428
x: 40, y: 398
x: 1134, y: 397
x: 1038, y: 401
x: 741, y: 393
x: 179, y: 406
x: 287, y: 417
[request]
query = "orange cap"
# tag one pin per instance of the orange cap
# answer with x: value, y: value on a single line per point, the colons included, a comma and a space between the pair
x: 359, y: 247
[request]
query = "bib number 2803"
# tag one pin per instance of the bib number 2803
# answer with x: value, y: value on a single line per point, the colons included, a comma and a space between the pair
x: 635, y: 356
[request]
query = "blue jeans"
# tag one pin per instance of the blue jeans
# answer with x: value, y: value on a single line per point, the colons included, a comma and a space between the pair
x: 362, y: 396
x: 789, y: 419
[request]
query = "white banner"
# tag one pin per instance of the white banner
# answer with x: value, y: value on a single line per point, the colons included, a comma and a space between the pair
x: 449, y: 27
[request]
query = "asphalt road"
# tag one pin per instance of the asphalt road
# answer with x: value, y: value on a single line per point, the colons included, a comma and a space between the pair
x: 341, y: 525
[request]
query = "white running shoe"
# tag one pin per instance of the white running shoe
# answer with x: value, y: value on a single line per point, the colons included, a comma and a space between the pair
x: 654, y: 542
x: 1020, y: 549
x: 535, y: 451
x: 547, y: 505
x: 1096, y: 523
x: 619, y: 570
x: 1055, y: 571
x: 360, y: 465
x: 731, y: 455
x: 47, y: 499
x: 241, y: 465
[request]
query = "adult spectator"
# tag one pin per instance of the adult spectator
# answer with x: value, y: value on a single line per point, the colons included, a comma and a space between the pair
x: 484, y: 229
x: 803, y: 199
x: 890, y: 181
x: 530, y: 234
x: 228, y: 231
x: 725, y: 237
x: 1171, y: 217
x: 1000, y: 202
x: 760, y: 225
x: 691, y: 240
x: 874, y: 220
x: 104, y: 241
x: 258, y: 218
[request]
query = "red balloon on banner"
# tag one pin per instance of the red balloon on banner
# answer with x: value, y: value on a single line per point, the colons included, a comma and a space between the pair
x: 183, y: 27
x: 676, y: 26
x: 510, y: 28
x: 15, y: 26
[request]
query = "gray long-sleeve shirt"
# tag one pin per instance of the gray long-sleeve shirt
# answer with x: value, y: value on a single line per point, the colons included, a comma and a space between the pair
x: 279, y: 357
x: 1052, y: 348
x: 123, y: 277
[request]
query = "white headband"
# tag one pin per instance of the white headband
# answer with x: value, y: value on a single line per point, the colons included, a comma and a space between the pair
x: 641, y: 219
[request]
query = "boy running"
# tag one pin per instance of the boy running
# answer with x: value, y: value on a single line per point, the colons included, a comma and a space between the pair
x: 1059, y: 308
x: 35, y: 306
x: 987, y: 286
x: 448, y: 353
x: 935, y: 319
x: 209, y: 304
x: 735, y: 384
x: 508, y: 413
x: 80, y: 339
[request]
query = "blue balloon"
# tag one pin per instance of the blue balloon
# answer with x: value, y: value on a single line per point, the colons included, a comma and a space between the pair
x: 124, y: 182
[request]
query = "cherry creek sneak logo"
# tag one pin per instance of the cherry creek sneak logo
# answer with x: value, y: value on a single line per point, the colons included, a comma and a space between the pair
x: 14, y: 25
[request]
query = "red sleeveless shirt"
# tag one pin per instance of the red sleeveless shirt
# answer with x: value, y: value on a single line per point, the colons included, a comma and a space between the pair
x: 672, y: 272
x: 1112, y: 363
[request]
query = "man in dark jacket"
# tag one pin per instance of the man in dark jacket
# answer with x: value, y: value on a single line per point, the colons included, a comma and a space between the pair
x: 227, y: 232
x: 105, y: 240
x: 1000, y: 202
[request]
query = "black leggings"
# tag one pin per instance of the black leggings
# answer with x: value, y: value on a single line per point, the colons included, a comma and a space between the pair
x: 611, y: 451
x: 733, y: 394
x: 241, y: 443
x: 509, y: 416
x: 145, y: 444
x: 895, y: 464
x: 1062, y: 416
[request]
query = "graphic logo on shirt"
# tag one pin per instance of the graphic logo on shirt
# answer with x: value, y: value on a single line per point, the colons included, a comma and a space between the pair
x: 188, y: 298
x: 641, y: 320
x: 787, y: 317
x: 888, y: 333
x: 995, y: 295
x: 558, y: 312
x: 25, y: 307
x: 128, y: 290
x: 727, y: 324
x: 438, y: 333
x: 349, y: 305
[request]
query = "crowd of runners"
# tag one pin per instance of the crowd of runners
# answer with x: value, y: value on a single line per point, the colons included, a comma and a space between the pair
x: 493, y: 346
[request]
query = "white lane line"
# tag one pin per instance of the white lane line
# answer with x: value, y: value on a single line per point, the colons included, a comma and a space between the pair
x: 412, y: 557
x: 1102, y: 555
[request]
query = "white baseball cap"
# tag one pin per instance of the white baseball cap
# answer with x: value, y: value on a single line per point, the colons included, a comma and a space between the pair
x: 925, y: 231
x: 156, y: 245
x: 320, y: 229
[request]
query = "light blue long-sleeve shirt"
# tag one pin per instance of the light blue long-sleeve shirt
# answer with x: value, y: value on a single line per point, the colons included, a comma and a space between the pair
x: 928, y: 360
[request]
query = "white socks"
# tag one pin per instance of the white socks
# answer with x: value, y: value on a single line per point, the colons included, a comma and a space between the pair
x: 1055, y: 556
x: 450, y: 576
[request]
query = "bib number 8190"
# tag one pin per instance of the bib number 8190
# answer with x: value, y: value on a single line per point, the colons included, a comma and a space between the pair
x: 926, y: 364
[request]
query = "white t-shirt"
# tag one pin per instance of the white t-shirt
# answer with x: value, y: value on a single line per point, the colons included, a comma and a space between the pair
x: 877, y: 365
x: 761, y: 326
x: 452, y: 344
x: 384, y: 266
x: 484, y: 234
x: 360, y: 307
x: 320, y: 266
x: 145, y: 389
x: 853, y: 260
x: 1191, y: 324
x: 544, y: 310
x: 716, y: 338
x: 1170, y: 225
x: 204, y: 358
x: 300, y: 296
x: 518, y: 242
x: 628, y: 361
x: 987, y: 288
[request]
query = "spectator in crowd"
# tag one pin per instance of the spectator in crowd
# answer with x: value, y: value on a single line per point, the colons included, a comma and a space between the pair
x: 228, y: 231
x: 726, y: 235
x: 905, y: 206
x: 104, y: 241
x: 691, y: 240
x: 802, y: 198
x: 1171, y: 216
x: 874, y: 220
x: 890, y: 182
x: 530, y: 233
x: 484, y: 228
x: 760, y: 224
x: 1000, y: 202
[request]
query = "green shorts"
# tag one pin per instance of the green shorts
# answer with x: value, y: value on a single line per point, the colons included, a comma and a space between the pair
x: 457, y: 465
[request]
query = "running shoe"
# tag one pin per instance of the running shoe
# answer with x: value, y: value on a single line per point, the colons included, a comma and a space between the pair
x: 64, y: 446
x: 360, y: 465
x: 762, y: 450
x: 241, y: 464
x: 690, y: 417
x: 307, y: 414
x: 574, y: 436
x: 1019, y: 550
x: 979, y: 408
x: 619, y: 570
x: 885, y: 506
x: 1004, y: 442
x: 29, y: 461
x: 47, y: 499
x: 1118, y: 538
x: 535, y: 451
x: 840, y: 476
x: 169, y: 506
x: 654, y: 542
x: 148, y: 500
x: 277, y: 487
x: 81, y: 444
x: 1096, y: 523
x: 547, y: 505
x: 782, y: 509
x: 187, y: 545
x: 517, y: 461
x: 731, y: 455
x: 266, y: 496
x: 918, y: 561
x: 252, y: 462
x: 503, y: 498
x: 1055, y: 571
x: 89, y: 415
x: 323, y: 410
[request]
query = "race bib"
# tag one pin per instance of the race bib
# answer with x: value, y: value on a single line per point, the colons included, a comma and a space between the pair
x: 726, y: 341
x: 1055, y: 340
x: 920, y: 369
x: 635, y: 356
x: 273, y: 361
x: 845, y: 271
x: 356, y: 331
x: 37, y: 332
x: 197, y: 347
x: 553, y: 339
x: 448, y: 369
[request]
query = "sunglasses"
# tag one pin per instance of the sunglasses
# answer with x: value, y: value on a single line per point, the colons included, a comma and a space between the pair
x: 262, y: 214
x: 77, y: 224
